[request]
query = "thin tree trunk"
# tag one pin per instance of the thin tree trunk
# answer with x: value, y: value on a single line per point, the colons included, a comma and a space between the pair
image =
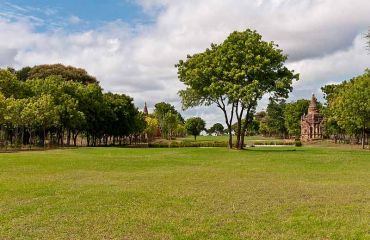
x: 68, y: 137
x: 44, y: 136
x: 363, y: 137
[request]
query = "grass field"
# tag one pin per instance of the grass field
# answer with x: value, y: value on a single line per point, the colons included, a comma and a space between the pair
x: 185, y: 193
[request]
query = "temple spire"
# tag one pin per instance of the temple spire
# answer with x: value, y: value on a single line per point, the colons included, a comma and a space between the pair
x: 145, y: 109
x: 312, y: 108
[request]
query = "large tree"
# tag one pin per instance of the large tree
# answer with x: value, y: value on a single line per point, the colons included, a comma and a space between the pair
x: 234, y: 76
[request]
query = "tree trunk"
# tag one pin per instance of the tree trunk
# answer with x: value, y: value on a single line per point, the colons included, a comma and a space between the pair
x: 75, y: 134
x: 244, y: 127
x: 68, y: 137
x: 239, y: 117
x: 363, y: 137
x: 44, y: 136
x: 230, y: 137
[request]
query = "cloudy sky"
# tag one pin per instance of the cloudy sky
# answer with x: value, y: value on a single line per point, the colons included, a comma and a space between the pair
x: 132, y: 46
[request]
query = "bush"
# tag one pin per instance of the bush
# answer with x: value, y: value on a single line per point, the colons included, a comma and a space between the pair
x: 298, y: 143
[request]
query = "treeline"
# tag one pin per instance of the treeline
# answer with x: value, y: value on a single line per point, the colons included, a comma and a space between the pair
x: 59, y: 105
x: 346, y: 114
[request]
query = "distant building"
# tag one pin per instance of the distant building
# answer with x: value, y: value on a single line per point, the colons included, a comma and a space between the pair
x: 311, y: 123
x: 145, y: 110
x: 158, y: 131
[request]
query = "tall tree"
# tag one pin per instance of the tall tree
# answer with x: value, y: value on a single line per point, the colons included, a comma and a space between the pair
x: 235, y: 75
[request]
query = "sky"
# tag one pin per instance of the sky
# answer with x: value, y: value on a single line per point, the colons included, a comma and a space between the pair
x: 131, y: 46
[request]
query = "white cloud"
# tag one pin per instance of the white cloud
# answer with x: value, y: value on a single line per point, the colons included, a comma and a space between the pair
x: 74, y: 20
x: 322, y: 38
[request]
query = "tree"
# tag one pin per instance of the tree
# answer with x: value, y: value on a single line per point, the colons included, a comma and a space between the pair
x: 217, y: 128
x: 9, y: 85
x: 151, y: 127
x: 23, y: 74
x: 235, y: 75
x: 47, y: 115
x: 68, y: 73
x: 350, y: 105
x: 160, y: 111
x: 195, y: 126
x: 170, y: 122
x: 275, y: 120
x: 292, y: 114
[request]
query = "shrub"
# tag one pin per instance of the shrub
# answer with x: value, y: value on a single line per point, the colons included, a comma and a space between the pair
x: 298, y: 143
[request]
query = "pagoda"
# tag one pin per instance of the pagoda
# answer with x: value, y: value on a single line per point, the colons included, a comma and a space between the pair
x: 312, y: 122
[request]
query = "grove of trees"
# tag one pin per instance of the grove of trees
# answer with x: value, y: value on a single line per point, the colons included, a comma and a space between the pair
x: 57, y: 104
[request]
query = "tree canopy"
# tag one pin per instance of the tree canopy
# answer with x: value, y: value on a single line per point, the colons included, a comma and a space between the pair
x: 349, y: 104
x: 68, y: 73
x: 195, y: 126
x: 39, y: 108
x: 234, y: 75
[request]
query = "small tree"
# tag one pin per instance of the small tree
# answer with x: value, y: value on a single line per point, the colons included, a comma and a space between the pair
x: 217, y: 128
x: 195, y: 126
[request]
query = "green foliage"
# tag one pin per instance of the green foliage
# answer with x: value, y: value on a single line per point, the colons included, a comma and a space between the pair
x: 9, y: 85
x: 68, y: 73
x: 169, y: 124
x: 151, y: 127
x: 195, y: 126
x: 168, y: 118
x: 217, y: 128
x: 234, y: 75
x: 275, y: 121
x: 56, y: 104
x: 292, y: 114
x: 349, y: 105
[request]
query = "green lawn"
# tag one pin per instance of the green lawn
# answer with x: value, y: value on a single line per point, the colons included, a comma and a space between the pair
x: 185, y: 193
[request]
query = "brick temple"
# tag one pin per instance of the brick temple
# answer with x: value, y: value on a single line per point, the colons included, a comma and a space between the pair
x: 311, y: 123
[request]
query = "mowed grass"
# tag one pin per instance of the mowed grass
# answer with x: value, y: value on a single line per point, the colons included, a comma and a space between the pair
x: 185, y: 193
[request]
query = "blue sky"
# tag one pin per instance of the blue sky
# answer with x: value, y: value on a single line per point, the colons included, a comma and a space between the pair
x: 131, y: 46
x: 77, y: 15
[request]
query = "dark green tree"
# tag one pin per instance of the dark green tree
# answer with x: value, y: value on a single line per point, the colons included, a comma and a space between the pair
x: 68, y: 73
x: 217, y: 128
x: 195, y: 126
